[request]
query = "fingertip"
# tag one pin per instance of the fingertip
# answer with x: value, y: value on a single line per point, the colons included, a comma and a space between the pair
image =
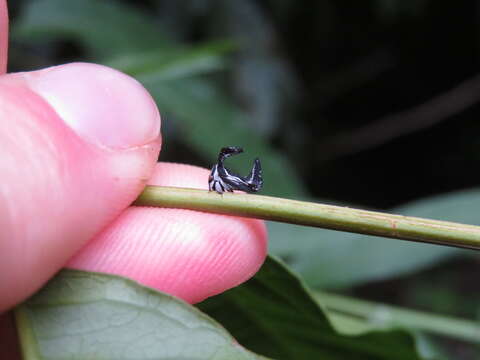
x: 189, y: 254
x: 60, y: 186
x: 102, y: 105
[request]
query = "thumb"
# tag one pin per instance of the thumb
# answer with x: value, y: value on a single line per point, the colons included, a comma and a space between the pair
x: 78, y: 143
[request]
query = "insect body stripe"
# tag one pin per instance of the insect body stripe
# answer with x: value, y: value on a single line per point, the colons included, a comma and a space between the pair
x: 221, y: 179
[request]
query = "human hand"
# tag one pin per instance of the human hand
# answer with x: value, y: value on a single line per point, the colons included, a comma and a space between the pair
x: 78, y: 144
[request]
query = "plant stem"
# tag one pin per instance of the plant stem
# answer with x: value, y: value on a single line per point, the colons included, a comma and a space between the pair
x: 27, y: 338
x: 313, y: 214
x: 385, y: 315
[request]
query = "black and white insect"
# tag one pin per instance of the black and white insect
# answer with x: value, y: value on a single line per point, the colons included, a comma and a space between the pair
x: 221, y: 179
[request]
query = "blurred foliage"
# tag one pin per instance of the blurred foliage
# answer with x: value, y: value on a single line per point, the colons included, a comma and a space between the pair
x: 289, y: 324
x: 207, y: 119
x: 290, y: 82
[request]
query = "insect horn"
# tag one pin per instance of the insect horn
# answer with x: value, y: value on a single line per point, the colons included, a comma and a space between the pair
x: 254, y: 178
x: 227, y: 152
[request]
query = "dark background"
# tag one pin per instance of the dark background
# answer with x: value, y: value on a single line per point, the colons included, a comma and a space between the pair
x: 347, y: 66
x: 370, y: 103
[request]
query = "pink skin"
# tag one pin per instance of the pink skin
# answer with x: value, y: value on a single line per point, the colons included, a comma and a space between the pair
x: 3, y: 36
x: 79, y: 142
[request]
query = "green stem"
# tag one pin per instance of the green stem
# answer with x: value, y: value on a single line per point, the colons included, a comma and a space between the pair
x: 313, y: 214
x: 27, y: 338
x: 386, y: 315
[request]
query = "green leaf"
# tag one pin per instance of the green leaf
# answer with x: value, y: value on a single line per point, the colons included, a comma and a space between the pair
x: 275, y: 315
x: 334, y: 259
x: 174, y: 63
x: 352, y: 325
x: 106, y: 28
x: 81, y: 315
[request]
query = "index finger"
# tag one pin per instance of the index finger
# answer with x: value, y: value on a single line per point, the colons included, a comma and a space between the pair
x: 186, y: 253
